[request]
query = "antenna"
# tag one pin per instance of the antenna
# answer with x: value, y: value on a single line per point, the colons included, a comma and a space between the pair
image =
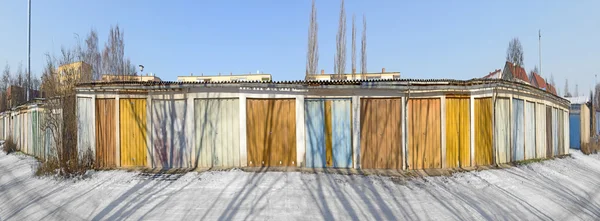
x: 540, y: 45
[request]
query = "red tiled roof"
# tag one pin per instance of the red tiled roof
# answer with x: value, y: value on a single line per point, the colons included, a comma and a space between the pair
x: 539, y: 81
x: 551, y: 89
x: 491, y: 74
x: 518, y: 72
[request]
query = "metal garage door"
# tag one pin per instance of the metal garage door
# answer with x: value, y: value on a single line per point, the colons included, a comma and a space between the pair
x: 217, y: 129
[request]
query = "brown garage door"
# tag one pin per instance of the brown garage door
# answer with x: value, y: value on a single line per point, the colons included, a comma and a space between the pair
x: 424, y: 135
x: 381, y: 133
x: 105, y: 133
x: 271, y: 132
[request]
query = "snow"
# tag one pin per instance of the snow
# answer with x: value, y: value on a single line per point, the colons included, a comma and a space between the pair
x: 560, y: 189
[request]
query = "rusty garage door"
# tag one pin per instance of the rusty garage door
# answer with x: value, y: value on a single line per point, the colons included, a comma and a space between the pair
x: 271, y: 132
x: 424, y: 135
x: 133, y: 132
x: 458, y: 132
x: 381, y: 133
x: 105, y: 133
x: 483, y: 131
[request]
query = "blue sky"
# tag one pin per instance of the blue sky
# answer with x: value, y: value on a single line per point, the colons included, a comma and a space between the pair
x: 459, y: 39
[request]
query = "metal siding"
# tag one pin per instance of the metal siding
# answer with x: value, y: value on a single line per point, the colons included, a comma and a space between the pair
x: 458, y: 133
x: 217, y: 132
x: 315, y: 132
x: 518, y: 144
x: 84, y: 125
x: 133, y: 132
x: 555, y: 141
x: 271, y: 132
x: 540, y: 123
x: 530, y: 130
x: 424, y: 133
x: 381, y: 133
x: 169, y: 146
x: 105, y: 133
x: 483, y: 131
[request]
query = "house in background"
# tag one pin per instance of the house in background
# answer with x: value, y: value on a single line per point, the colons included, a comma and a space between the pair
x: 538, y: 81
x: 142, y: 78
x: 496, y: 74
x: 74, y: 72
x: 516, y: 73
x: 356, y: 76
x: 225, y: 78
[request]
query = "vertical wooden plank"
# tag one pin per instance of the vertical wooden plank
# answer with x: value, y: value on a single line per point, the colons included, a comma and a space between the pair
x: 105, y: 136
x: 483, y: 131
x: 424, y: 133
x: 457, y: 128
x: 518, y: 130
x: 315, y: 133
x: 133, y: 132
x: 342, y: 133
x: 328, y: 134
x: 381, y: 133
x: 549, y: 135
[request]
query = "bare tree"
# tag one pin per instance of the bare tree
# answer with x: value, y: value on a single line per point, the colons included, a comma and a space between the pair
x: 113, y: 55
x: 363, y: 50
x: 91, y: 54
x: 340, y: 55
x: 514, y: 53
x: 566, y: 92
x: 4, y: 84
x: 576, y: 90
x: 60, y: 119
x: 597, y: 96
x: 312, y: 54
x: 353, y: 46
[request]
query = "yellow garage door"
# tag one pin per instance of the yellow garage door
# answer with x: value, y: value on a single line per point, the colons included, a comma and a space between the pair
x: 133, y: 132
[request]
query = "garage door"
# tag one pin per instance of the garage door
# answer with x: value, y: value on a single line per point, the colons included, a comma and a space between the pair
x: 483, y: 131
x: 458, y: 132
x: 133, y: 132
x: 105, y: 133
x: 328, y: 133
x: 381, y: 133
x: 271, y: 132
x: 424, y: 135
x: 217, y: 132
x: 169, y: 146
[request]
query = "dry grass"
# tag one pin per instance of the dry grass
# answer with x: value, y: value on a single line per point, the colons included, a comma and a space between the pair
x: 69, y: 168
x: 9, y: 146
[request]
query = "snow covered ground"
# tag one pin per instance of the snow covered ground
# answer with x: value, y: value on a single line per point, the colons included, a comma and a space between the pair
x: 561, y: 189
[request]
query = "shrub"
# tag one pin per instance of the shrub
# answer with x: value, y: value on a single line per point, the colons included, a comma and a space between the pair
x: 72, y: 167
x: 9, y: 146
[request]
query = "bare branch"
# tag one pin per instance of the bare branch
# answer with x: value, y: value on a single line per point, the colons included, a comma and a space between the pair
x: 340, y: 58
x: 363, y: 54
x: 312, y: 54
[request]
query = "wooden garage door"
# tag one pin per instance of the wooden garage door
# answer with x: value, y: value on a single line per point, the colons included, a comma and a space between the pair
x: 105, y: 133
x: 458, y: 132
x: 483, y: 131
x: 271, y: 132
x: 424, y: 135
x: 381, y: 133
x: 133, y: 132
x: 549, y: 135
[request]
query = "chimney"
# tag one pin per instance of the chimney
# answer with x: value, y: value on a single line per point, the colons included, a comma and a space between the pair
x: 383, y: 70
x: 353, y: 70
x: 322, y: 71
